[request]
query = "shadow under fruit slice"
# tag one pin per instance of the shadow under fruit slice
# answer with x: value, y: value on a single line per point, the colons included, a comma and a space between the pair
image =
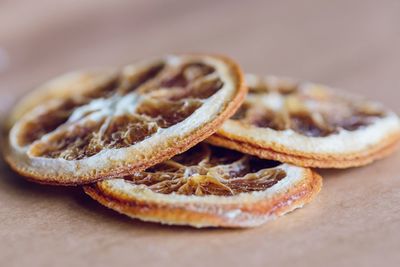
x: 124, y: 121
x: 209, y: 186
x: 309, y: 125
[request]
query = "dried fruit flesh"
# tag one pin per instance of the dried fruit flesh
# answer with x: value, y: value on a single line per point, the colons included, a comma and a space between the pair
x: 309, y: 125
x: 311, y: 111
x: 131, y: 120
x: 210, y: 186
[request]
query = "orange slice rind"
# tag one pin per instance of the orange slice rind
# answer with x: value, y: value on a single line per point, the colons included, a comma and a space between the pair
x: 309, y: 125
x: 123, y: 121
x: 209, y: 186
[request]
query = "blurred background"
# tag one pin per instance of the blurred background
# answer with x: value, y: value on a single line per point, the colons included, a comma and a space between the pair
x: 349, y: 44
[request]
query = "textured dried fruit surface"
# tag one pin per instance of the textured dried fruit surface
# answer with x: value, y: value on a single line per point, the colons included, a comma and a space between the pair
x: 209, y: 170
x: 115, y: 123
x: 308, y: 110
x: 209, y: 186
x: 309, y: 125
x: 121, y: 113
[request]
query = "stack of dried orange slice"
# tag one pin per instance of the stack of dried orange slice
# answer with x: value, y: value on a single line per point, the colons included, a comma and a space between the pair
x: 184, y: 140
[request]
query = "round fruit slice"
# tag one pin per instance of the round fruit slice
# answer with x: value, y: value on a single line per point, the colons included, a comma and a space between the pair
x: 130, y: 120
x: 210, y: 186
x: 309, y: 125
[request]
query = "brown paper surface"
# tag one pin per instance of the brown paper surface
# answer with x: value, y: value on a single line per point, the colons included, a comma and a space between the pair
x: 354, y: 45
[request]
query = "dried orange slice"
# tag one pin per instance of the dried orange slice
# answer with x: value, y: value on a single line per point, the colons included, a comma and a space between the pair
x: 210, y: 186
x: 133, y: 119
x: 309, y: 125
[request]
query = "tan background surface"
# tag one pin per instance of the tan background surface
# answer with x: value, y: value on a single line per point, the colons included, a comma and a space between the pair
x: 355, y: 221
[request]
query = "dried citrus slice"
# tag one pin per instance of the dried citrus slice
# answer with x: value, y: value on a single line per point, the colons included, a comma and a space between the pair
x: 133, y: 119
x: 309, y: 125
x: 210, y: 186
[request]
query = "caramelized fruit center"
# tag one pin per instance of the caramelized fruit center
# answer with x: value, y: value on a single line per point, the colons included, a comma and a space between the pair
x: 122, y: 112
x: 209, y: 170
x: 315, y: 112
